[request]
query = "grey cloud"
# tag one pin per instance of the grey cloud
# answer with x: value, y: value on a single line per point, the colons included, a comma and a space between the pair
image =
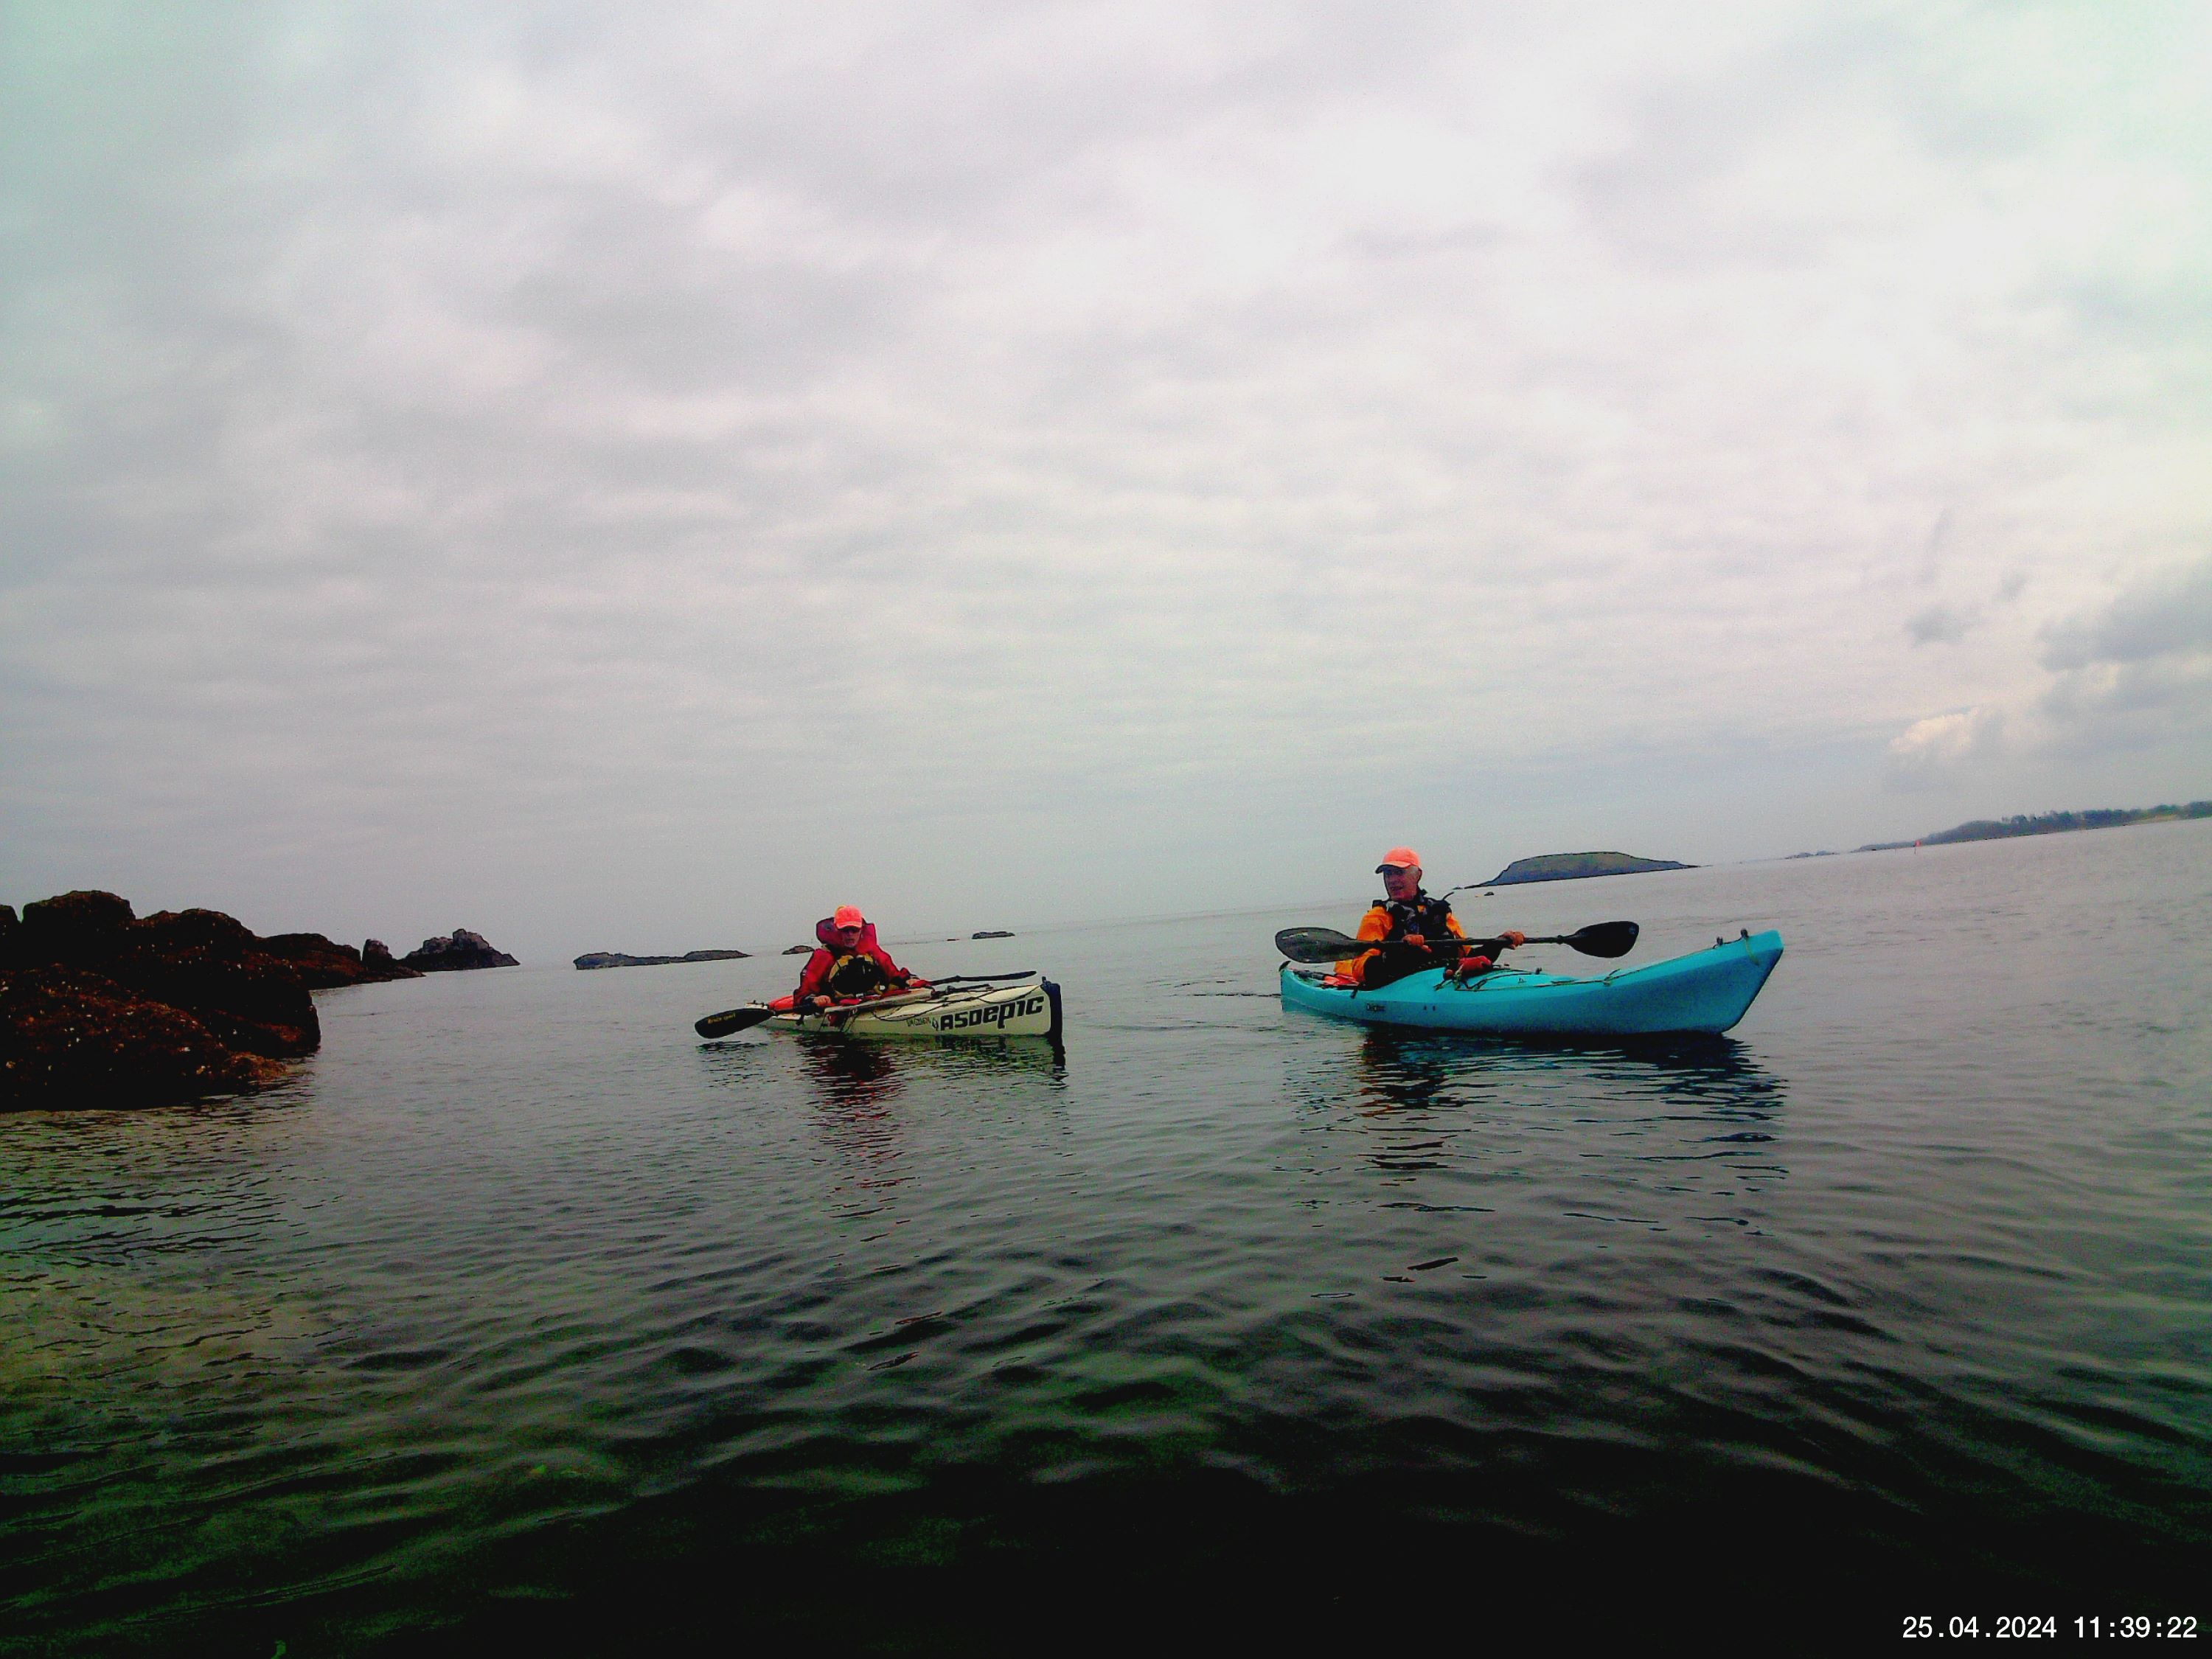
x: 2137, y: 672
x: 2169, y: 615
x: 1932, y: 565
x: 1666, y: 193
x: 1940, y: 624
x: 2134, y: 673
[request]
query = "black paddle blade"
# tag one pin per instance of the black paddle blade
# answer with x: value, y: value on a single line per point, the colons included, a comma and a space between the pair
x: 733, y: 1020
x: 1605, y: 939
x: 1317, y: 944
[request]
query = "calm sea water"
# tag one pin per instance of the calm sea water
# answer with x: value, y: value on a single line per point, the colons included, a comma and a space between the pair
x: 521, y: 1315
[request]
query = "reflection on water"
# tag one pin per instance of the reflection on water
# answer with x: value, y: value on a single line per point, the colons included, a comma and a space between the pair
x: 1445, y: 1106
x: 854, y: 1087
x: 1401, y: 1070
x: 850, y: 1080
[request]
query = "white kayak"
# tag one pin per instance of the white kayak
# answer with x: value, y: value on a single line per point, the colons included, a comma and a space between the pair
x: 1031, y: 1010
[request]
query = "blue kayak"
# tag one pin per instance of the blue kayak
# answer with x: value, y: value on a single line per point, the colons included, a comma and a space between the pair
x: 1707, y: 991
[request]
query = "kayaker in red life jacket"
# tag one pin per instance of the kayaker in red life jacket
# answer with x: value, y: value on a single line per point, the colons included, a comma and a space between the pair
x: 849, y: 963
x: 1412, y: 931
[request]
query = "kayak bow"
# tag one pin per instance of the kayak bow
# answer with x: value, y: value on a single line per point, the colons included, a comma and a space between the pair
x: 1705, y: 993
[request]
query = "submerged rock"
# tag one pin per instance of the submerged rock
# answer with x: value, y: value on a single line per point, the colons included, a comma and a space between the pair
x: 460, y: 949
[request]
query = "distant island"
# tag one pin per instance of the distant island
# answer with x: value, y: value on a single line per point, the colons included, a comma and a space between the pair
x: 1574, y: 866
x: 2047, y: 823
x: 989, y: 932
x: 619, y: 959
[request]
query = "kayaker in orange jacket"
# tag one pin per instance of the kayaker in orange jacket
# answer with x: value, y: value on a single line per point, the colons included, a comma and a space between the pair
x: 1411, y: 930
x: 849, y: 963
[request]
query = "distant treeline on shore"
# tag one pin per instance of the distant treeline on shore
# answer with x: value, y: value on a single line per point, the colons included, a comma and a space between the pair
x: 2048, y: 823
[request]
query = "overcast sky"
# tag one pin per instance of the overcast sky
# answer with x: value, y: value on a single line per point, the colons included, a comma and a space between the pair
x: 634, y: 477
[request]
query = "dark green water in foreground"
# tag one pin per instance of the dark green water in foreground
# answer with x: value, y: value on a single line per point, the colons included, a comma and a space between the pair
x: 520, y: 1315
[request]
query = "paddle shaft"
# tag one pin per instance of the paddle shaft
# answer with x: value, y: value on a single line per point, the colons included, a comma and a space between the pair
x: 1602, y: 939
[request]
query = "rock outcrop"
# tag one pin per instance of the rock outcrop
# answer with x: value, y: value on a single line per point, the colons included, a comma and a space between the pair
x: 99, y: 1008
x: 618, y: 959
x: 207, y: 964
x: 72, y: 1038
x: 460, y: 949
x: 323, y: 964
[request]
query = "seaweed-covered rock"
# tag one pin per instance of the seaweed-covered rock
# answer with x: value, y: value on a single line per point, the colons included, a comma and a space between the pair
x: 70, y: 1037
x: 460, y: 949
x: 99, y: 1007
x: 211, y: 966
x: 323, y: 963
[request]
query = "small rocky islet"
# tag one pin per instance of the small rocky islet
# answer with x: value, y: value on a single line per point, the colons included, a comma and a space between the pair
x: 591, y: 959
x: 100, y: 1006
x: 1576, y: 866
x: 457, y: 951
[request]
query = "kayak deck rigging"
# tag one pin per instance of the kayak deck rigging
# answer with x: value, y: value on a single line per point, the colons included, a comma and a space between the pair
x: 1031, y: 1010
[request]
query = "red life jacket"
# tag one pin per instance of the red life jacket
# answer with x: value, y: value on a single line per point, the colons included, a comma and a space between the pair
x: 863, y: 970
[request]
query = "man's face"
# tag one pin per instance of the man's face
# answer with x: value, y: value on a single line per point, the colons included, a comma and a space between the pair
x: 849, y: 938
x: 1402, y: 881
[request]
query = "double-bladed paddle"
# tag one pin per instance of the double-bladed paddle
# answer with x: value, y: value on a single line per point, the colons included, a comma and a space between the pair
x: 731, y: 1021
x: 1600, y: 939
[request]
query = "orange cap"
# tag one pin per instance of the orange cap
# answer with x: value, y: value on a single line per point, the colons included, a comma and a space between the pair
x: 848, y: 915
x: 1405, y: 858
